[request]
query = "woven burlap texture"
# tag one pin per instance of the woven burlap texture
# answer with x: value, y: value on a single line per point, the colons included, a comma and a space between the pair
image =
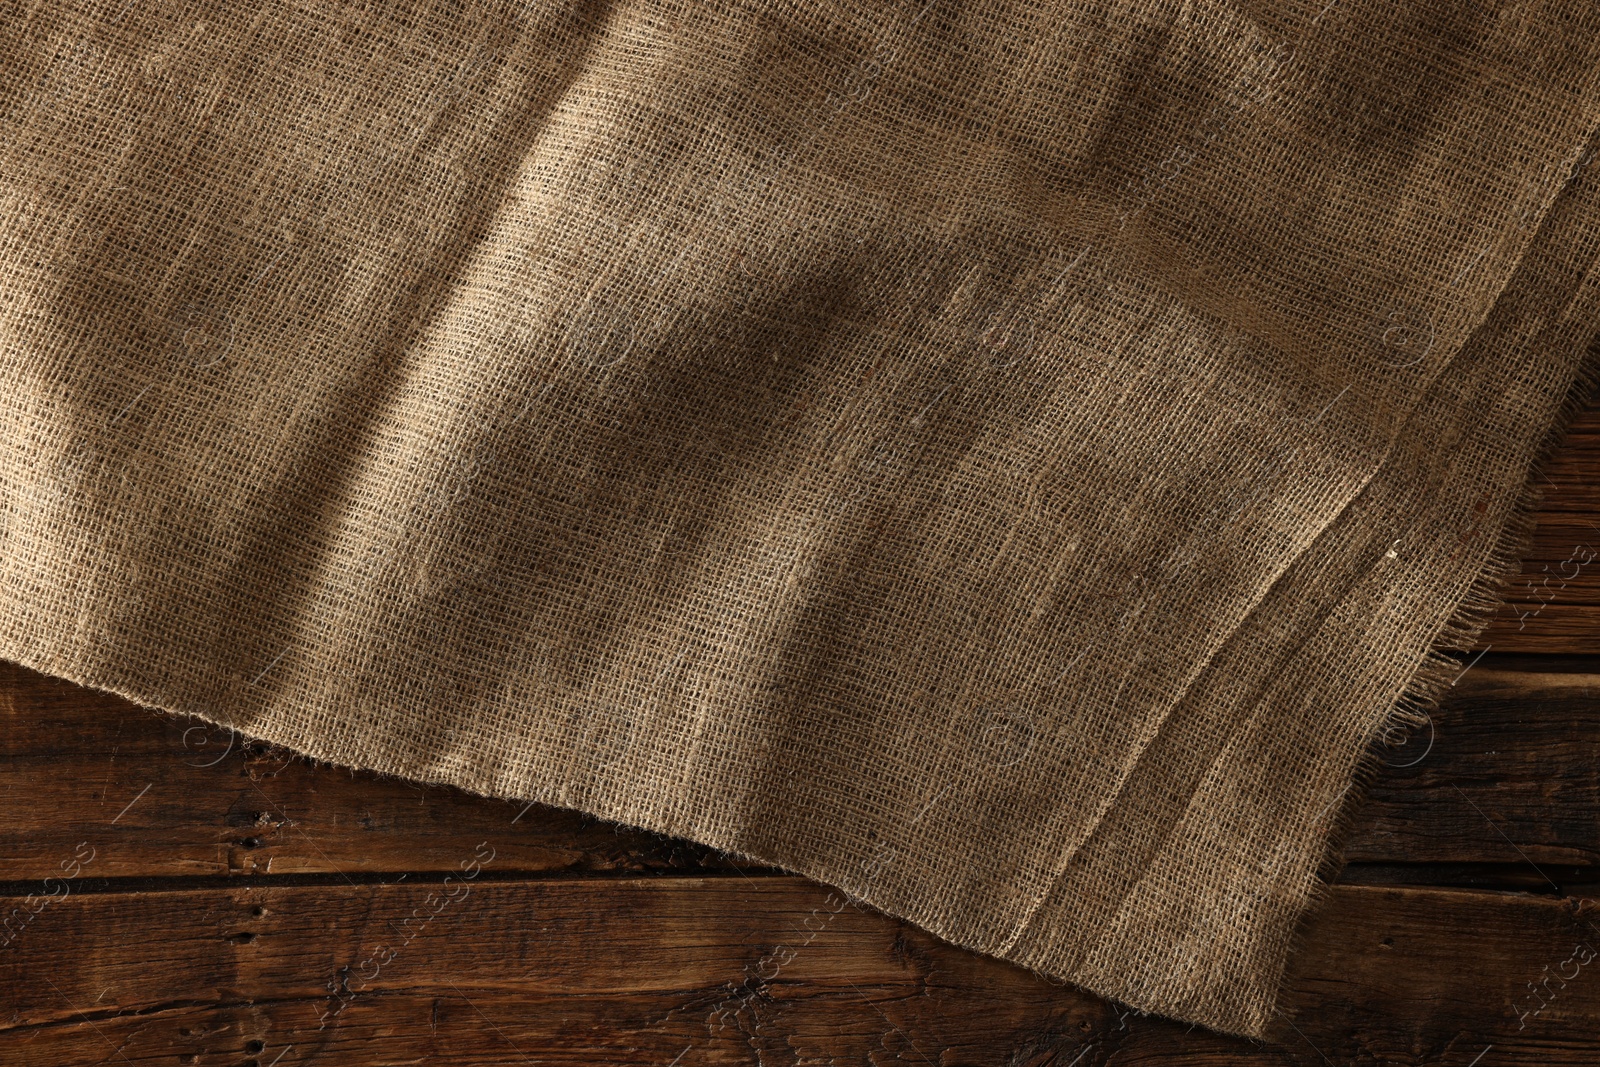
x: 1004, y: 460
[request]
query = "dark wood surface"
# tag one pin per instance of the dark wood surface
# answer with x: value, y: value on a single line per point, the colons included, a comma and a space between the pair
x: 176, y: 896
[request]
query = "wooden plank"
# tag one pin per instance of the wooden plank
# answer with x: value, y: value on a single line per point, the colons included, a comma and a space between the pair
x: 1554, y: 605
x: 1504, y: 776
x: 727, y: 970
x: 565, y: 971
x: 1439, y: 976
x: 162, y: 796
x: 1557, y: 628
x: 1505, y: 773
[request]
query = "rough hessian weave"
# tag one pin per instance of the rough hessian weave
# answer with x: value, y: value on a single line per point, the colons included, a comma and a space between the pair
x: 1007, y: 460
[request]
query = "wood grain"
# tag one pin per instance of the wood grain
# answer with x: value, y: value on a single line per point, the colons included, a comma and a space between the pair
x: 169, y: 796
x: 692, y: 971
x: 1554, y: 606
x: 1508, y: 771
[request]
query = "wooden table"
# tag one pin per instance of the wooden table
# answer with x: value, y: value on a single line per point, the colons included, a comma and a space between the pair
x: 199, y: 900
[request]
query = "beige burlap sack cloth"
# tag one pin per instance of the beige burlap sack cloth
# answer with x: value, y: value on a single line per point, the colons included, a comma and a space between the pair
x: 1007, y: 460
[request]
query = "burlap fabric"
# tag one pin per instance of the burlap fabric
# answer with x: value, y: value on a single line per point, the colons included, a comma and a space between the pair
x: 1006, y: 460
